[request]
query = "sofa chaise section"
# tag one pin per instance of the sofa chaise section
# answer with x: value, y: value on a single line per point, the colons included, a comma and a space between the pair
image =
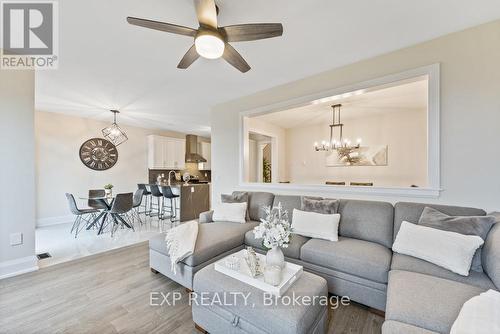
x: 425, y: 301
x: 214, y: 241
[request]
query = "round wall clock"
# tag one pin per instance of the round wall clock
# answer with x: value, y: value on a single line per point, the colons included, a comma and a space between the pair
x: 98, y: 154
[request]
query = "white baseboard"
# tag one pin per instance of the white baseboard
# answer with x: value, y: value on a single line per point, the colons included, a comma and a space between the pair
x: 18, y: 266
x: 54, y: 220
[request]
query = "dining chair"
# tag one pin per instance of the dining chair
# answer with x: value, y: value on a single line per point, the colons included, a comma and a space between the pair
x: 156, y: 193
x: 147, y: 194
x: 122, y: 205
x: 81, y: 214
x: 95, y: 204
x: 169, y: 195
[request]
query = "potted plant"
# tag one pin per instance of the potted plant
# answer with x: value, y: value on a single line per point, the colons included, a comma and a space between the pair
x: 275, y: 230
x: 108, y: 191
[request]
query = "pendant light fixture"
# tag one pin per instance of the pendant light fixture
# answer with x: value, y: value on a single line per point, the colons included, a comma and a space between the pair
x: 342, y: 144
x: 113, y: 133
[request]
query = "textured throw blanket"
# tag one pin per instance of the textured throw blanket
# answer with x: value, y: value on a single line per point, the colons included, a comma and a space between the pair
x: 479, y: 315
x: 180, y: 242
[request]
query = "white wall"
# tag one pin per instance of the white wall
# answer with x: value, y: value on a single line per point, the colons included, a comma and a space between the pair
x: 253, y: 160
x: 470, y: 114
x: 277, y: 135
x: 403, y: 131
x: 59, y: 169
x: 17, y: 173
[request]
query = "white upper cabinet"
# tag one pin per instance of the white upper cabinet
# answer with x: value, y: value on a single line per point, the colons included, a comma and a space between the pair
x: 166, y: 152
x: 204, y: 149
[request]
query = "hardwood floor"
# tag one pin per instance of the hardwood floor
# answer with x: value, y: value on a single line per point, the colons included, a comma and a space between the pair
x: 110, y: 293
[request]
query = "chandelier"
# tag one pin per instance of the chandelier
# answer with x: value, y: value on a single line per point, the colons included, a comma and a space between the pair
x: 113, y: 133
x: 342, y: 146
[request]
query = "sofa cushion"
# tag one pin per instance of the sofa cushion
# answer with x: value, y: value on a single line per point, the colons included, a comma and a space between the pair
x: 213, y: 240
x: 288, y: 202
x: 236, y: 198
x: 425, y: 301
x: 491, y: 254
x: 468, y: 225
x: 257, y: 200
x: 410, y: 263
x: 411, y: 212
x: 450, y: 250
x: 325, y: 206
x: 292, y: 251
x: 367, y: 220
x: 396, y: 327
x: 352, y: 256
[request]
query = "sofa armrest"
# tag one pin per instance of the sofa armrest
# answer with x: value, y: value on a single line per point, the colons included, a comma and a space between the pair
x: 206, y: 217
x: 490, y: 254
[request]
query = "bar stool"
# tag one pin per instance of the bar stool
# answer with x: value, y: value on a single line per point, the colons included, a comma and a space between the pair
x: 139, y: 193
x: 168, y: 194
x: 155, y: 192
x: 147, y: 193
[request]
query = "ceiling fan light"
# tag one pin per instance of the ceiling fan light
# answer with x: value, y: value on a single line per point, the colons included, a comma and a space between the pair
x: 209, y: 46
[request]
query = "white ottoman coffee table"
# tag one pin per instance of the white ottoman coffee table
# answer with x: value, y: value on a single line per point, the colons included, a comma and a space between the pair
x: 221, y: 304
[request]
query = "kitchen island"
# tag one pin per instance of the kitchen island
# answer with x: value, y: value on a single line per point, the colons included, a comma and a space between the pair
x: 194, y: 199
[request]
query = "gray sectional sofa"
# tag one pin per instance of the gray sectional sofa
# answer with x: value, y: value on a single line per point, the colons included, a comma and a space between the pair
x: 417, y: 296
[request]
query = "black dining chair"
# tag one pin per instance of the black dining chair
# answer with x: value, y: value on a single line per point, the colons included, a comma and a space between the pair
x: 147, y: 194
x: 122, y: 205
x: 156, y: 193
x: 168, y: 194
x: 85, y: 215
x: 95, y: 204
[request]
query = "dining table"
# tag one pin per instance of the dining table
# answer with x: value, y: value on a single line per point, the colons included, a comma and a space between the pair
x: 107, y: 202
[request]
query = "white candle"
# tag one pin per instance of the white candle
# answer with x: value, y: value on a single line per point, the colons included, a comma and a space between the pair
x: 272, y: 275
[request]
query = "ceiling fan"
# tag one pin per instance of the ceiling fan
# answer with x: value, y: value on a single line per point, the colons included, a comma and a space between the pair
x: 210, y: 40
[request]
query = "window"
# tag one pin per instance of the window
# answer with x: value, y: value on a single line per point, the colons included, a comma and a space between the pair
x: 380, y: 136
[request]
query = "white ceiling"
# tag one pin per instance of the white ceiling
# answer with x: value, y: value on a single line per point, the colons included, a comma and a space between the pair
x: 105, y: 63
x: 399, y: 98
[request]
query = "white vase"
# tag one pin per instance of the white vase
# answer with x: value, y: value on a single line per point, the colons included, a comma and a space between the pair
x: 108, y: 192
x: 275, y: 257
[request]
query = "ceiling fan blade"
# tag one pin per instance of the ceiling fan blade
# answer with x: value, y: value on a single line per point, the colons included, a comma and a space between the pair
x: 251, y: 32
x: 234, y: 58
x: 162, y: 26
x: 206, y: 13
x: 189, y: 58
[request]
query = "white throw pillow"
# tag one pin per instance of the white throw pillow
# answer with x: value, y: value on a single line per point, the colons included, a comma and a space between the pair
x: 230, y: 212
x: 450, y: 250
x: 316, y: 225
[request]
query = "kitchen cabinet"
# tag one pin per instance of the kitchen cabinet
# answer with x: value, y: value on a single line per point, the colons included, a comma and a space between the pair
x: 205, y: 151
x: 166, y: 152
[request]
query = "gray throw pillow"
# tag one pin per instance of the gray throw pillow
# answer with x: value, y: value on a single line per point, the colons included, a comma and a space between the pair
x: 468, y: 225
x: 319, y: 205
x: 236, y: 198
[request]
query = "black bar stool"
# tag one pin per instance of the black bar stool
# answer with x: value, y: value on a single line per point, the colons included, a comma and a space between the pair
x: 156, y: 193
x: 168, y: 194
x: 147, y: 194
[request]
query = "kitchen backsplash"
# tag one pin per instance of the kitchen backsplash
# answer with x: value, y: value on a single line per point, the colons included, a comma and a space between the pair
x: 191, y: 168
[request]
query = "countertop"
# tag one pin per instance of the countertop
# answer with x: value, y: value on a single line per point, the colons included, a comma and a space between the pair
x: 182, y: 184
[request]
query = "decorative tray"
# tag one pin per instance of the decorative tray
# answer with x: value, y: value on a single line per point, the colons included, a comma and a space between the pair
x: 290, y: 274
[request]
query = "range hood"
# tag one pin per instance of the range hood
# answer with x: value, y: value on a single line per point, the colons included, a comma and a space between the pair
x: 192, y: 149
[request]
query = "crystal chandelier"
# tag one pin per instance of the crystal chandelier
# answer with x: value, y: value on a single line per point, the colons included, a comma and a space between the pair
x: 340, y: 145
x: 113, y: 133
